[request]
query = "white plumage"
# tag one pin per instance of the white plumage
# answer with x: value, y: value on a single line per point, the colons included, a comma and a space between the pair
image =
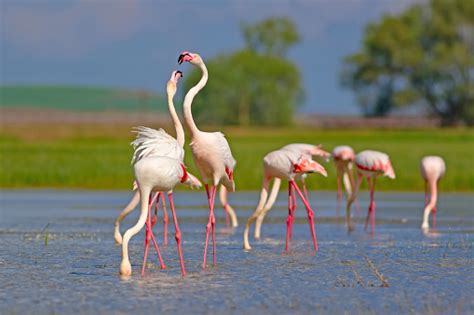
x: 224, y: 148
x: 150, y: 142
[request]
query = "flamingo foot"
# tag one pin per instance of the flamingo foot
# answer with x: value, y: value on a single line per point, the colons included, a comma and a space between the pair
x: 125, y: 268
x: 118, y: 238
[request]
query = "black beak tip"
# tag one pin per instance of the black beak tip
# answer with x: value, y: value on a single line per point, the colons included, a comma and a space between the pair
x: 180, y: 59
x: 180, y: 73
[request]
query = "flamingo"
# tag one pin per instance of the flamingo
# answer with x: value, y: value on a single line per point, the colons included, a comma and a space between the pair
x: 432, y: 169
x: 167, y: 148
x: 343, y: 157
x: 150, y: 143
x: 285, y: 164
x: 154, y: 174
x: 308, y: 150
x: 211, y: 152
x: 369, y: 164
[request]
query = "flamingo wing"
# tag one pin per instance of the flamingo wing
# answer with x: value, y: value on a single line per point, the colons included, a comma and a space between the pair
x: 151, y: 142
x: 224, y: 150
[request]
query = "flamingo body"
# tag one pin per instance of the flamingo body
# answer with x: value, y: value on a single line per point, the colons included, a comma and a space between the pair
x: 158, y: 166
x: 374, y: 163
x: 304, y: 150
x: 343, y: 157
x: 213, y: 158
x: 370, y: 164
x: 211, y: 151
x: 284, y: 165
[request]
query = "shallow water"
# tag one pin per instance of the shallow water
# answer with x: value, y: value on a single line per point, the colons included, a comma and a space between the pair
x: 77, y: 272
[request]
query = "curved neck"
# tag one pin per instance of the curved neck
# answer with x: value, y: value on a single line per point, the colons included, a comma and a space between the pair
x: 177, y: 123
x: 188, y: 100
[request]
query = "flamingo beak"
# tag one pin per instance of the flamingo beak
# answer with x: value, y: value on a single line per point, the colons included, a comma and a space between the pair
x: 178, y: 75
x: 180, y: 59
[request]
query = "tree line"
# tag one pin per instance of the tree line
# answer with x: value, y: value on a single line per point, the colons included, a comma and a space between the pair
x: 422, y: 57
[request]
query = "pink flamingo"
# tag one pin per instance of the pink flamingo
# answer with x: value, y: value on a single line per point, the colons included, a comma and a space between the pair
x: 211, y: 152
x: 151, y: 143
x: 343, y: 157
x: 285, y: 164
x: 432, y: 169
x: 370, y: 164
x: 154, y: 174
x: 167, y: 147
x: 308, y: 151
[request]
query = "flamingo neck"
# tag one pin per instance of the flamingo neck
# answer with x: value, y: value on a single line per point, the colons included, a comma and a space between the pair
x: 188, y: 100
x: 177, y: 123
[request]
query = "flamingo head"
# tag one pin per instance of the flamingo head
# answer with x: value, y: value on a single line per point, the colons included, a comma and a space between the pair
x: 309, y: 166
x: 192, y: 58
x: 388, y: 170
x: 171, y: 85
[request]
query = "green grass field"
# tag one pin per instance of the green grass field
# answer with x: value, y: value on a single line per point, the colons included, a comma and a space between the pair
x: 95, y: 157
x: 79, y: 98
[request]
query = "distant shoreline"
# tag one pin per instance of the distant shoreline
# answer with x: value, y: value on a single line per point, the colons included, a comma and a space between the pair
x: 48, y: 115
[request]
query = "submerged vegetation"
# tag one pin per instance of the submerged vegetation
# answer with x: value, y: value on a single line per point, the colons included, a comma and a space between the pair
x: 98, y: 157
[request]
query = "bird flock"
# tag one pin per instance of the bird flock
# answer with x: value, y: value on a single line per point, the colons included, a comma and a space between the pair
x: 158, y: 163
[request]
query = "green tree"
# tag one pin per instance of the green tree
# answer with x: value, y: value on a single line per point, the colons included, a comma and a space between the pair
x: 272, y: 36
x: 252, y: 86
x: 424, y: 56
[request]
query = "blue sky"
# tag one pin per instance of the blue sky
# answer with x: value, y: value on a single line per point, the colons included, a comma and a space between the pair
x: 135, y: 44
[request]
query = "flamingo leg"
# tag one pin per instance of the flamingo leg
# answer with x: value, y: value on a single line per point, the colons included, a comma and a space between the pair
x: 339, y: 191
x: 177, y: 234
x: 155, y: 215
x: 310, y: 214
x: 148, y: 236
x: 368, y: 211
x: 210, y: 225
x: 350, y: 200
x: 213, y: 225
x: 165, y: 221
x: 289, y: 220
x: 293, y: 208
x: 426, y: 194
x: 371, y: 210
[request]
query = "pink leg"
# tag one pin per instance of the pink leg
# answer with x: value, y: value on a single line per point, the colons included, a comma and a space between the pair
x: 371, y: 211
x: 155, y: 215
x: 433, y: 217
x: 289, y: 220
x: 310, y: 214
x: 148, y: 236
x: 339, y: 192
x: 177, y: 234
x: 165, y: 221
x: 210, y: 196
x: 293, y: 208
x: 157, y: 249
x: 213, y: 225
